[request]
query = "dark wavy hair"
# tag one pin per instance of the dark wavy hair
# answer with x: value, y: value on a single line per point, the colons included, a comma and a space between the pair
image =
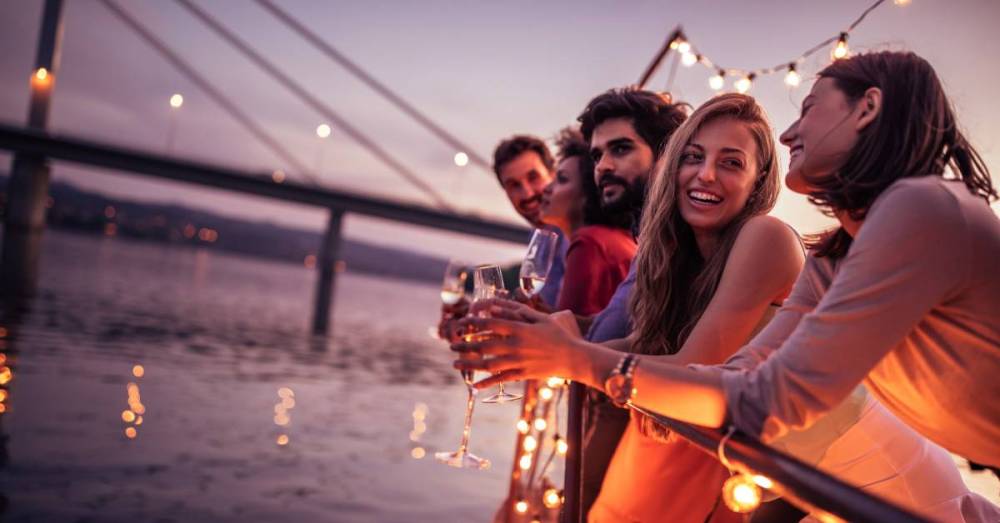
x: 654, y: 115
x: 571, y: 144
x: 915, y: 134
x: 516, y: 145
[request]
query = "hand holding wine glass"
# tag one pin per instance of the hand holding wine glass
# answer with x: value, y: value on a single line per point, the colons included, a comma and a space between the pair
x: 538, y: 262
x: 488, y: 284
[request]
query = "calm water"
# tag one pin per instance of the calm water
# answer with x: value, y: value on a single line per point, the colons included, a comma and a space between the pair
x: 218, y: 336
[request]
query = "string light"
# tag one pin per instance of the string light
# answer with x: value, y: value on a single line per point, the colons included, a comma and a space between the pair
x: 552, y: 499
x: 323, y: 130
x: 176, y: 101
x: 522, y: 426
x: 41, y: 78
x: 540, y: 424
x: 525, y: 461
x: 555, y: 382
x: 689, y: 59
x: 683, y: 47
x: 792, y: 78
x: 902, y: 3
x: 763, y: 482
x: 718, y: 80
x: 461, y: 159
x: 521, y: 506
x: 840, y: 51
x: 741, y: 494
x: 545, y: 393
x: 562, y: 447
x: 530, y: 443
x: 744, y: 84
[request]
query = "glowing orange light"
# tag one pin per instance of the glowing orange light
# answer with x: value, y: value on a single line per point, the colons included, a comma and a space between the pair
x: 561, y: 446
x: 130, y: 432
x: 741, y: 494
x: 5, y: 375
x: 530, y: 443
x: 545, y: 393
x: 525, y: 462
x: 3, y: 358
x: 3, y: 408
x: 3, y: 395
x: 521, y: 506
x: 552, y: 499
x: 840, y: 51
x: 540, y: 424
x: 418, y: 452
x: 41, y: 79
x: 522, y: 426
x: 176, y: 101
x: 283, y: 440
x: 128, y: 416
x: 189, y: 231
x: 288, y: 403
x: 555, y: 382
x: 281, y: 420
x: 138, y: 420
x: 138, y: 371
x: 285, y: 392
x: 278, y: 176
x: 763, y: 482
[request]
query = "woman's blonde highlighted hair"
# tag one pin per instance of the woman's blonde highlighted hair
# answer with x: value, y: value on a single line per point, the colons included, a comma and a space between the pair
x: 674, y: 284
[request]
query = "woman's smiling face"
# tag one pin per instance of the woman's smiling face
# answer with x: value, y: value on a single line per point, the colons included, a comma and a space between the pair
x: 717, y: 173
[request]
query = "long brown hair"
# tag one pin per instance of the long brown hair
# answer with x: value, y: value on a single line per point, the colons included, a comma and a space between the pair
x: 914, y: 134
x: 674, y: 284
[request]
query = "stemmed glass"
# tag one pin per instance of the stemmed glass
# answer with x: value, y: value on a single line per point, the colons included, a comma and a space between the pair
x: 453, y: 286
x: 538, y: 261
x: 462, y: 458
x: 488, y: 283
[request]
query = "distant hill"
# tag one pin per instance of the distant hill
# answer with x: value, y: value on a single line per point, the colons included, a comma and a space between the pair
x: 71, y: 208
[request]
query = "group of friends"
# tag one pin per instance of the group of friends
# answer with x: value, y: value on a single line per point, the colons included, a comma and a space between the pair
x: 870, y: 351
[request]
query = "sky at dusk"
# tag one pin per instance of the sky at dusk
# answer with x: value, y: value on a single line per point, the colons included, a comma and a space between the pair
x: 483, y: 70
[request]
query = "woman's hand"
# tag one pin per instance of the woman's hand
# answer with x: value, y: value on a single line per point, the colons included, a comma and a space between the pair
x: 535, y: 302
x: 526, y: 344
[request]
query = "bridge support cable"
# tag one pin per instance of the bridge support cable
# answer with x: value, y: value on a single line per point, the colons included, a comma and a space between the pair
x: 367, y: 143
x: 259, y: 133
x: 377, y: 86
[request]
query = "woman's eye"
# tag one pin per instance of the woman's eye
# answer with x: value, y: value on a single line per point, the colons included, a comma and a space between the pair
x: 733, y: 164
x: 690, y: 158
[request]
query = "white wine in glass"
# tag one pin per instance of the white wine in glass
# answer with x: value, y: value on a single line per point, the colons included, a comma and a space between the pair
x: 538, y: 261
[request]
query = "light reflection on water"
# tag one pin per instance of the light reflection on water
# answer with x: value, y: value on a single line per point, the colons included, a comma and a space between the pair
x: 207, y: 339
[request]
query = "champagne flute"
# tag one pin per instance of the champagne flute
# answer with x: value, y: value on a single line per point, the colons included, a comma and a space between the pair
x: 488, y: 283
x: 538, y: 261
x: 462, y: 458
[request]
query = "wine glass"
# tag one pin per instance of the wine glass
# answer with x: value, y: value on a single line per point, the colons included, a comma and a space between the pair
x: 538, y: 261
x: 462, y: 458
x: 488, y: 283
x: 452, y: 289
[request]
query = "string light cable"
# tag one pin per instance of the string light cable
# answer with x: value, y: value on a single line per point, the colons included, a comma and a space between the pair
x: 690, y: 55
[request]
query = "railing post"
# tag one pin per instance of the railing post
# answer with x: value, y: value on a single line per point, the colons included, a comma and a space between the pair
x: 326, y: 267
x: 573, y: 482
x: 28, y: 187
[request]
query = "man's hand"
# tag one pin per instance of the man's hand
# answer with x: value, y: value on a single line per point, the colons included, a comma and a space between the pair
x: 450, y: 314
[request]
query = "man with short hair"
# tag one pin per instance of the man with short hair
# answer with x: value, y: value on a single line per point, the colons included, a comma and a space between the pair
x: 627, y: 130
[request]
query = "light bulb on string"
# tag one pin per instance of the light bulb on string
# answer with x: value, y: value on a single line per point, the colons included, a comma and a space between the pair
x: 522, y: 426
x: 540, y: 424
x: 552, y: 499
x: 530, y: 443
x: 525, y: 461
x: 561, y: 446
x: 717, y: 81
x: 521, y: 506
x: 744, y: 84
x: 555, y: 382
x: 902, y: 3
x: 741, y: 494
x: 545, y: 393
x: 792, y: 78
x: 840, y: 50
x: 683, y: 47
x: 689, y: 59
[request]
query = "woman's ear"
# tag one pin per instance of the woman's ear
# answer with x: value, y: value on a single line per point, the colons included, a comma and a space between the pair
x: 869, y: 107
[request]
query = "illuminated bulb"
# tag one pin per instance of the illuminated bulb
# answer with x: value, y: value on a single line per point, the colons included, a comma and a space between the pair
x: 716, y: 82
x: 323, y: 130
x: 840, y: 51
x: 522, y: 426
x: 128, y: 416
x: 744, y: 84
x: 285, y: 392
x: 521, y: 506
x: 3, y: 358
x: 540, y: 424
x: 461, y: 159
x: 530, y: 443
x: 3, y: 395
x: 288, y: 403
x: 741, y: 494
x: 418, y: 452
x: 562, y: 447
x: 545, y: 393
x: 138, y: 371
x: 176, y: 101
x: 552, y: 499
x: 525, y: 462
x: 689, y: 59
x: 555, y: 382
x: 5, y: 375
x: 41, y: 74
x: 674, y: 44
x: 763, y: 482
x: 282, y: 440
x: 901, y: 2
x: 130, y: 432
x: 3, y: 408
x: 792, y: 79
x: 138, y: 420
x: 683, y: 47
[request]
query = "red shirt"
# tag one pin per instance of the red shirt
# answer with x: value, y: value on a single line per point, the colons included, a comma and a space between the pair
x: 597, y: 261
